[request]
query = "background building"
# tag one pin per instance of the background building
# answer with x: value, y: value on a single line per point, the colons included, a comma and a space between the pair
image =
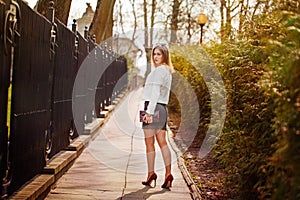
x: 86, y: 19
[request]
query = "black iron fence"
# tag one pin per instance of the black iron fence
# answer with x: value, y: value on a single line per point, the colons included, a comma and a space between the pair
x: 40, y: 59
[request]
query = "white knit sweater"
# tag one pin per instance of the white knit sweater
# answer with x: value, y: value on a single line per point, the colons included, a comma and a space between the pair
x: 157, y: 87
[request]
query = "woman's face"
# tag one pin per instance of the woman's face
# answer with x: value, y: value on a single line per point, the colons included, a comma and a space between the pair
x: 158, y: 57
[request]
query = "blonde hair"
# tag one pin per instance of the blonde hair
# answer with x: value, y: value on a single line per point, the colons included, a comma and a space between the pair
x: 166, y: 56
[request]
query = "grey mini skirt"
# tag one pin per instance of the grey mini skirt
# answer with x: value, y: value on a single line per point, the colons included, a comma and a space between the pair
x: 162, y: 123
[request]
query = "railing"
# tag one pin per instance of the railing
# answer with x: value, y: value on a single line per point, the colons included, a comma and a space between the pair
x: 39, y: 60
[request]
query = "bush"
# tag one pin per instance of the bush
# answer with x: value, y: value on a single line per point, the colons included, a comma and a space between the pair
x: 247, y: 137
x: 191, y: 90
x: 260, y: 144
x: 284, y: 85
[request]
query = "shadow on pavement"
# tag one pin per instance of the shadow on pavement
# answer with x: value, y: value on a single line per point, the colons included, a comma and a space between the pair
x: 142, y: 194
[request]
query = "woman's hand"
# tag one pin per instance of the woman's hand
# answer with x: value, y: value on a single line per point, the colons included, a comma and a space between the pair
x: 147, y: 118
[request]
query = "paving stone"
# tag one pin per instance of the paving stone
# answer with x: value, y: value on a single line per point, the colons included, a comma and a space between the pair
x: 113, y: 165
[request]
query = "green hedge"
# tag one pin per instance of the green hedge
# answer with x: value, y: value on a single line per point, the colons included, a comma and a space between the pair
x: 260, y: 142
x: 284, y: 182
x: 191, y: 64
x: 247, y: 137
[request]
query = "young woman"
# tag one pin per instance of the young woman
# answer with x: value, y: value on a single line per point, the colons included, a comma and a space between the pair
x: 156, y: 96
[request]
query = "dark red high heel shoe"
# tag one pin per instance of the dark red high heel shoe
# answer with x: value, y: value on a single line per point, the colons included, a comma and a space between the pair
x: 168, y: 182
x: 153, y: 177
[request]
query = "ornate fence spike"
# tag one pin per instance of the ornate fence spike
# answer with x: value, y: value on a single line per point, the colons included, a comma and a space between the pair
x: 74, y: 25
x: 51, y: 11
x: 86, y: 32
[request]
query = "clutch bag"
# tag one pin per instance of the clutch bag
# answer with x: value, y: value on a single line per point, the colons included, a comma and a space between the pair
x: 155, y: 117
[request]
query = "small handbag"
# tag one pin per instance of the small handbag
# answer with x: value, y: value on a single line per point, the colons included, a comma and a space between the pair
x: 155, y: 117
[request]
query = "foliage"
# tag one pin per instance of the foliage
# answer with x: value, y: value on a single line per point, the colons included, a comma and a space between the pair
x: 260, y: 143
x: 132, y: 73
x: 285, y: 79
x: 188, y: 62
x: 247, y: 136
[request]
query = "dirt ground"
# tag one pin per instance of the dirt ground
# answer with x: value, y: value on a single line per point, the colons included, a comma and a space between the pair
x: 205, y: 172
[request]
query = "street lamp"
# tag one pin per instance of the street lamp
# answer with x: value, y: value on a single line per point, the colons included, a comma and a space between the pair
x: 202, y: 19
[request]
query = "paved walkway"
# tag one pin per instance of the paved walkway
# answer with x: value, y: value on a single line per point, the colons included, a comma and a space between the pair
x: 113, y: 165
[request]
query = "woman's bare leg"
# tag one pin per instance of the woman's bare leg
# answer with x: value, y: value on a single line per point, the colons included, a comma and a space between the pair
x: 161, y: 140
x: 150, y: 150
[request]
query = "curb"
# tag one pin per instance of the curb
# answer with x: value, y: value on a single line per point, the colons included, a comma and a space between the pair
x: 40, y: 185
x: 194, y: 190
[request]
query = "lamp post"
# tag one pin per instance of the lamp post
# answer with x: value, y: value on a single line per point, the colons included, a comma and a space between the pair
x: 202, y: 19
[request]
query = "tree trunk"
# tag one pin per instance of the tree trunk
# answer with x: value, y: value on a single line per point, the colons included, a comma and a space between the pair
x: 102, y: 24
x: 222, y: 31
x: 146, y: 45
x: 242, y: 15
x: 135, y: 19
x: 152, y: 21
x: 62, y: 9
x: 228, y: 26
x: 189, y: 21
x: 146, y: 23
x: 120, y: 21
x: 174, y: 20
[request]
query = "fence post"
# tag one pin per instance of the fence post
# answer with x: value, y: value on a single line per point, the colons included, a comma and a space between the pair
x: 86, y: 36
x: 11, y: 35
x: 74, y: 29
x: 53, y: 33
x: 51, y: 11
x: 74, y: 26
